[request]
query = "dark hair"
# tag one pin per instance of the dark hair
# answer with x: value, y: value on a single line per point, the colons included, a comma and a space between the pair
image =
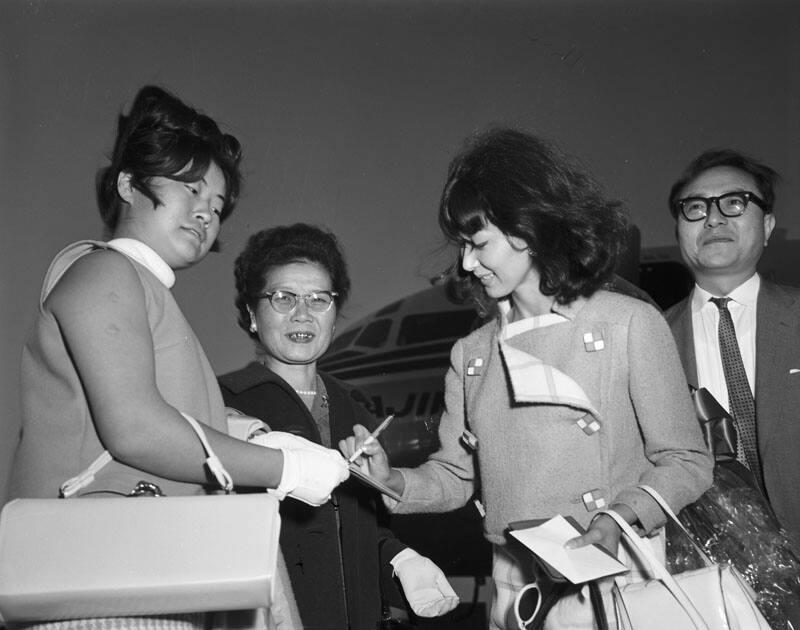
x: 159, y: 137
x: 523, y: 186
x: 766, y: 178
x: 283, y: 245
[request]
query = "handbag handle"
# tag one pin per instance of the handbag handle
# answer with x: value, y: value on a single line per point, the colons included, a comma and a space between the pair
x: 71, y: 486
x: 671, y: 515
x: 543, y: 605
x: 659, y: 571
x: 212, y: 461
x: 522, y: 624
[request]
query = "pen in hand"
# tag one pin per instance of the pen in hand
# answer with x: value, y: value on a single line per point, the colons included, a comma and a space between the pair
x: 370, y: 438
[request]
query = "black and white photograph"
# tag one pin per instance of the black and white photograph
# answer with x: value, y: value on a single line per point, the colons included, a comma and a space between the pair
x: 398, y: 314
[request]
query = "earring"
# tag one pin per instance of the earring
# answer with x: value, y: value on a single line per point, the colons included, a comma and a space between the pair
x: 530, y: 252
x: 253, y: 326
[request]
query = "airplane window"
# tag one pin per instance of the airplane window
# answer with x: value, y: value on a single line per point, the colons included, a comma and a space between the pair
x: 343, y: 340
x: 375, y: 334
x: 427, y: 327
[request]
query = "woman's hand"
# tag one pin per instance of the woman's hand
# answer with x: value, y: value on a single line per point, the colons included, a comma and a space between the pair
x: 604, y: 531
x: 424, y: 584
x: 373, y: 460
x: 310, y: 471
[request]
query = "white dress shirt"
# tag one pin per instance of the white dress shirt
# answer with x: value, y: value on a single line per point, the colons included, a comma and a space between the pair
x: 705, y: 324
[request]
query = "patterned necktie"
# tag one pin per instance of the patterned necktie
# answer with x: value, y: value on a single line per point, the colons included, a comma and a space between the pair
x: 740, y: 396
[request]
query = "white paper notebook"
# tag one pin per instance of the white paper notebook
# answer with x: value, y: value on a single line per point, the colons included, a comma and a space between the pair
x: 577, y: 565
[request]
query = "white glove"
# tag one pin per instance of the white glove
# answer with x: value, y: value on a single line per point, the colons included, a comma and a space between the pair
x: 310, y: 471
x: 424, y: 584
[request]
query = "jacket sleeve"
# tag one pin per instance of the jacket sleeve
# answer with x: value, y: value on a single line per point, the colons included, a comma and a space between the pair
x: 447, y: 480
x: 672, y: 437
x: 388, y: 547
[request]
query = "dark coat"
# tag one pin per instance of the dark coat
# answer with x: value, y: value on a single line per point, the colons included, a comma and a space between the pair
x: 777, y: 390
x: 309, y: 541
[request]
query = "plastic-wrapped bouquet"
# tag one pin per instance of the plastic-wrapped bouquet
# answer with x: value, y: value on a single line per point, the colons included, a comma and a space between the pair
x: 734, y: 524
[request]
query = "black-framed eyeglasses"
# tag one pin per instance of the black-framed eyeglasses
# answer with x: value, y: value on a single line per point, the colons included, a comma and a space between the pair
x: 732, y: 204
x: 286, y: 301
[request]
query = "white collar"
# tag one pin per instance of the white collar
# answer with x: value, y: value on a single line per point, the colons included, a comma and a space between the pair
x: 746, y: 293
x: 145, y: 256
x: 511, y: 329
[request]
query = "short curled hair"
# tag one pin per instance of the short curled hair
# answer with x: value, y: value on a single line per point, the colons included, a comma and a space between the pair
x: 159, y: 137
x: 522, y: 185
x: 283, y: 245
x: 766, y: 178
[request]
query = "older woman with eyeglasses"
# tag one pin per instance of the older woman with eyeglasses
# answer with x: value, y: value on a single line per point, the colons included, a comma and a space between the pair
x: 291, y: 282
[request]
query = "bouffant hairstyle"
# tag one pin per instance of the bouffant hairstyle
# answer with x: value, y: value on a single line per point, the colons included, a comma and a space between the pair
x: 160, y: 137
x: 283, y: 245
x: 523, y: 186
x: 766, y: 178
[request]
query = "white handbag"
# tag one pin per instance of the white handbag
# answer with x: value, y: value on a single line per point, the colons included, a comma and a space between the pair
x: 714, y: 597
x: 112, y: 557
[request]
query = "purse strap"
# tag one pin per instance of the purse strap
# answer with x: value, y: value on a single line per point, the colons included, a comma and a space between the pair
x: 73, y: 485
x: 212, y: 461
x: 659, y: 570
x: 671, y: 515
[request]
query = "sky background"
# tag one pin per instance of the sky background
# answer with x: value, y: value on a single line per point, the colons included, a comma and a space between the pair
x: 349, y: 113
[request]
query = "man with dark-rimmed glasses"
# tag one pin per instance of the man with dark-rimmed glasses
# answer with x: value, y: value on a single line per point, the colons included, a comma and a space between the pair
x: 738, y: 333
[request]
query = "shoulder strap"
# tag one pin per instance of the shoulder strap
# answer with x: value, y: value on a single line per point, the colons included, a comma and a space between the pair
x: 212, y: 461
x: 671, y: 515
x: 659, y: 571
x: 71, y: 486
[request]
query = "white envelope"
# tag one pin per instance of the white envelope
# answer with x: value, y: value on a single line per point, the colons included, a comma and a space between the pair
x: 577, y: 565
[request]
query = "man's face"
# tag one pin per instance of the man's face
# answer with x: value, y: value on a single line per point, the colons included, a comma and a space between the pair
x: 719, y: 245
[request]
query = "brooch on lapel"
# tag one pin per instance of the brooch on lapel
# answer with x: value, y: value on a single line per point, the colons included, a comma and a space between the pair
x: 593, y: 341
x: 474, y: 367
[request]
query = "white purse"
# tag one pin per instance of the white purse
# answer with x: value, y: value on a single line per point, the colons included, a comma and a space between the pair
x: 714, y: 597
x: 112, y: 557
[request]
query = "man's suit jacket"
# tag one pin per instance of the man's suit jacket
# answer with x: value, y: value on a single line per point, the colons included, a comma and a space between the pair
x: 777, y: 390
